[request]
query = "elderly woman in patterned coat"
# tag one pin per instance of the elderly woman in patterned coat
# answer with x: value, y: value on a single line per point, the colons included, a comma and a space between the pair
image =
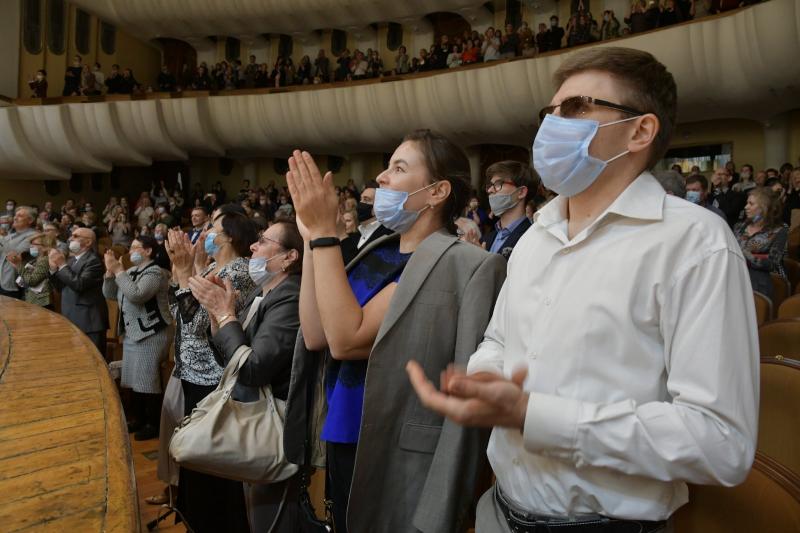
x: 144, y: 317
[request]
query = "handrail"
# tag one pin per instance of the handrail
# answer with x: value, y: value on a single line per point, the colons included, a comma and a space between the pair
x: 55, y: 100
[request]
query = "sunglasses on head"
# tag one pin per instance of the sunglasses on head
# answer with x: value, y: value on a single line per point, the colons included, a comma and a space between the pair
x: 576, y: 106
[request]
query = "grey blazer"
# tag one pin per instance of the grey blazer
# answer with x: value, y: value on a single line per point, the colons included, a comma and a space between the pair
x: 143, y: 301
x: 414, y: 471
x: 82, y: 301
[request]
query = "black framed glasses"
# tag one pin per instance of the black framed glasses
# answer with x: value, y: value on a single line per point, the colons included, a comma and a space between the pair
x: 575, y: 106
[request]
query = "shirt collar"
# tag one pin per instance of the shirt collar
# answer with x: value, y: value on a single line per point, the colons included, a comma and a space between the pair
x: 643, y: 199
x: 511, y: 227
x: 368, y: 227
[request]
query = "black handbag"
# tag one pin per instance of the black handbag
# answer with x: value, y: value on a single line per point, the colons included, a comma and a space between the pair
x: 309, y: 523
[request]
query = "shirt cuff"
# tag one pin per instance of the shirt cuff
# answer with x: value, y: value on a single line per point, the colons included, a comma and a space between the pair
x: 551, y: 424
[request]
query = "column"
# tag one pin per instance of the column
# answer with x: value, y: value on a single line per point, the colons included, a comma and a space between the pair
x: 776, y: 141
x: 474, y: 156
x: 358, y: 168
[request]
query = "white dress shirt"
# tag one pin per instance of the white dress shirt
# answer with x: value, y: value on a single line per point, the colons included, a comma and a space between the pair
x: 366, y: 230
x: 639, y: 335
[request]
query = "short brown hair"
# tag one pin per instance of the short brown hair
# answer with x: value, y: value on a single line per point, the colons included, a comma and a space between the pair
x: 651, y: 87
x: 447, y: 162
x: 519, y: 173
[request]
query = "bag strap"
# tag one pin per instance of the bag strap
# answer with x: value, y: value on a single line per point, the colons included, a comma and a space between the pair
x: 231, y: 371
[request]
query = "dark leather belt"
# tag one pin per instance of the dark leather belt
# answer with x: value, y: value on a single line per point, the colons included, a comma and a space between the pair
x: 523, y: 522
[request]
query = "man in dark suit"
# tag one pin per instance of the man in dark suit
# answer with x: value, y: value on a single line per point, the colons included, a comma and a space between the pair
x: 369, y: 229
x: 725, y: 198
x: 199, y: 223
x: 509, y: 184
x: 80, y: 279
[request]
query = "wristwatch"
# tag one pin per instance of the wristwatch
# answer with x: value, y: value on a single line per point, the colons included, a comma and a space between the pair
x: 322, y: 242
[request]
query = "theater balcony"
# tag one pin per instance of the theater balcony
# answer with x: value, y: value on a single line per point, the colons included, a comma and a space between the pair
x: 738, y: 65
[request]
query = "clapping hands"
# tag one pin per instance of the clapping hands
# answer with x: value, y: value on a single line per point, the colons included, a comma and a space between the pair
x: 313, y: 195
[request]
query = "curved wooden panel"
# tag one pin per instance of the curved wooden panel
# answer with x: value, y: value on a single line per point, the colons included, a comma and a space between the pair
x: 65, y: 461
x: 779, y: 411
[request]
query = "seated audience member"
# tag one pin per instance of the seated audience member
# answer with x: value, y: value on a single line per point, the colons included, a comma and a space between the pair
x: 166, y: 80
x: 763, y: 238
x: 267, y: 323
x: 746, y: 179
x: 792, y: 199
x: 89, y: 85
x: 144, y: 317
x: 201, y: 80
x: 697, y: 193
x: 38, y: 85
x: 725, y: 198
x: 672, y: 182
x: 34, y: 271
x: 509, y: 184
x: 16, y: 242
x: 199, y: 223
x: 426, y: 474
x: 128, y: 84
x: 80, y: 279
x: 589, y: 370
x: 208, y: 503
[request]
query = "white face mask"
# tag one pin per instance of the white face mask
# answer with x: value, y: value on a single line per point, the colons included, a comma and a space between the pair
x: 74, y: 247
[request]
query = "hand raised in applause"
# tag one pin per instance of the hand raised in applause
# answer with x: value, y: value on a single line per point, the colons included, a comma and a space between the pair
x: 314, y: 196
x: 56, y: 259
x: 113, y: 266
x: 218, y: 297
x: 478, y: 400
x: 181, y: 253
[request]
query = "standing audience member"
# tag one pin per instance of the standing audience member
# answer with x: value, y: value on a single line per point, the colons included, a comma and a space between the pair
x: 199, y: 222
x: 38, y: 85
x: 697, y: 193
x: 144, y: 317
x: 672, y: 182
x: 402, y: 61
x: 610, y: 27
x: 268, y: 324
x: 80, y: 279
x: 380, y: 310
x: 509, y: 185
x: 792, y: 202
x: 725, y: 198
x: 166, y: 81
x: 746, y: 179
x: 12, y: 246
x: 556, y: 34
x: 35, y: 272
x: 608, y: 383
x: 72, y: 78
x: 114, y: 81
x: 763, y: 238
x: 208, y: 503
x: 99, y: 77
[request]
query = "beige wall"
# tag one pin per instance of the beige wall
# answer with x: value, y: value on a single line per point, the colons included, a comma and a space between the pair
x: 142, y: 57
x: 747, y: 137
x: 10, y: 45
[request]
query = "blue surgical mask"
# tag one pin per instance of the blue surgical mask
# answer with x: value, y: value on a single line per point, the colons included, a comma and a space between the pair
x: 257, y: 268
x: 694, y: 196
x: 34, y: 251
x: 210, y: 246
x: 137, y: 258
x: 561, y: 153
x: 389, y: 210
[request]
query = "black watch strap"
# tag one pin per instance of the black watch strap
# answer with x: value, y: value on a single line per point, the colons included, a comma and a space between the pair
x: 322, y: 242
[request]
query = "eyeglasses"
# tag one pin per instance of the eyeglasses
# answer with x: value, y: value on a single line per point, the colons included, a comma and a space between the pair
x: 575, y: 106
x: 496, y: 185
x: 264, y: 240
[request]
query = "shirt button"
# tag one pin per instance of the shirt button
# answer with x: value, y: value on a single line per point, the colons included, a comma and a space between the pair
x: 533, y: 356
x: 565, y: 251
x: 515, y: 461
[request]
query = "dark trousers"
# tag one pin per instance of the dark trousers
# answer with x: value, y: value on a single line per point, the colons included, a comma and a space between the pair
x: 146, y: 408
x: 209, y: 504
x: 18, y: 294
x: 339, y: 476
x: 98, y: 338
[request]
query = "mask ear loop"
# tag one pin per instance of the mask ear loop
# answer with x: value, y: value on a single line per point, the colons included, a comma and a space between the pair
x: 626, y: 152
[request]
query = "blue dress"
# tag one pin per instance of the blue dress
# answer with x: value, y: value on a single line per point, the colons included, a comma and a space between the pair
x: 344, y: 382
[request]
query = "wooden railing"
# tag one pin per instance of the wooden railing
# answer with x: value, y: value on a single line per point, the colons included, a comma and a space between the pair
x: 65, y: 461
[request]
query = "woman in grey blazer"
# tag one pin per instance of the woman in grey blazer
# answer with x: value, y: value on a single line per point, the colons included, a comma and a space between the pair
x: 411, y: 470
x: 144, y: 317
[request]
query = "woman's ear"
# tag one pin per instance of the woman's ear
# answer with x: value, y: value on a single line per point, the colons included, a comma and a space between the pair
x: 439, y: 193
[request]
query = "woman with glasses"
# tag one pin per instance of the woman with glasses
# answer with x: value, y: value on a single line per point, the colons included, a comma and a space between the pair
x: 208, y: 503
x: 393, y: 466
x: 35, y: 272
x: 267, y: 323
x: 144, y: 317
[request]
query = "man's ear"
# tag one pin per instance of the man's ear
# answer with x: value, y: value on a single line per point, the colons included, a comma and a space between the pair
x: 647, y: 128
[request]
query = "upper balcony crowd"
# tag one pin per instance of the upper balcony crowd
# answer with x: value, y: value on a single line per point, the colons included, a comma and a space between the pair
x: 446, y: 52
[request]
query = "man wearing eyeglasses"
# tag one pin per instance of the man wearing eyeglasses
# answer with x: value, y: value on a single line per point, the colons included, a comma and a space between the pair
x: 509, y: 184
x: 608, y: 384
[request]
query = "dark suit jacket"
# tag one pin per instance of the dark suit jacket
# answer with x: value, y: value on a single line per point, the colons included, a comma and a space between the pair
x: 271, y: 334
x: 82, y: 300
x: 350, y: 244
x: 731, y: 203
x: 511, y: 241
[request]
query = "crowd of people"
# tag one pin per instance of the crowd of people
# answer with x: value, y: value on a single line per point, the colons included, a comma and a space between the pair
x: 575, y: 297
x: 447, y: 51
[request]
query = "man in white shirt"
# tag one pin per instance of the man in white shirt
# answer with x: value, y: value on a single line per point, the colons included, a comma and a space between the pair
x: 608, y: 382
x: 11, y: 246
